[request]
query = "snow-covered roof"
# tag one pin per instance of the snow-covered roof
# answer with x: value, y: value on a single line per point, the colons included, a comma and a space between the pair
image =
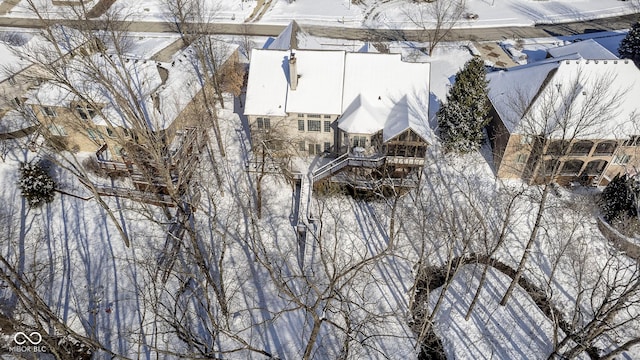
x: 142, y: 46
x: 547, y: 87
x: 399, y: 90
x: 292, y: 37
x: 17, y: 46
x: 574, y: 56
x: 363, y: 117
x: 368, y: 48
x: 319, y: 89
x: 13, y: 120
x: 161, y: 90
x: 12, y: 62
x: 587, y: 49
x: 511, y: 91
x: 372, y: 91
x: 320, y: 76
x: 268, y: 83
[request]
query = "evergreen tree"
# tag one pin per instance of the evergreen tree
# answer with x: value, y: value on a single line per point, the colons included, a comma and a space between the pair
x: 465, y: 114
x: 36, y: 184
x: 630, y: 45
x: 618, y: 199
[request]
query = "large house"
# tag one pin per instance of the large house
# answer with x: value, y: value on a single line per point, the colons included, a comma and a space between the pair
x: 119, y: 106
x: 24, y: 54
x: 369, y: 110
x: 566, y: 121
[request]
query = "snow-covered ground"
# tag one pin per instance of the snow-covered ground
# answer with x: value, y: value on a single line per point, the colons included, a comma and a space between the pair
x: 508, y: 12
x: 103, y: 289
x: 72, y: 249
x: 519, y: 331
x: 371, y: 13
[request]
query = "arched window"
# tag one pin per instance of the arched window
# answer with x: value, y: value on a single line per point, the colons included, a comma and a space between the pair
x: 558, y: 147
x: 571, y: 167
x: 595, y: 167
x: 605, y: 148
x: 581, y: 148
x: 550, y: 166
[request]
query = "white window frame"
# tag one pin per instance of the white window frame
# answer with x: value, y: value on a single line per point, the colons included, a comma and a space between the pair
x: 317, y: 125
x: 621, y: 159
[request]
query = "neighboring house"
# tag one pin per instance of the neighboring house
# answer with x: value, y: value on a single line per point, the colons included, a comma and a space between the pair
x: 549, y: 123
x: 137, y: 101
x: 18, y: 74
x: 370, y: 110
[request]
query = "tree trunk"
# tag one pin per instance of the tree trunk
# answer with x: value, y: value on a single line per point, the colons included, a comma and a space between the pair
x: 485, y: 270
x: 501, y: 238
x: 527, y: 249
x: 312, y: 338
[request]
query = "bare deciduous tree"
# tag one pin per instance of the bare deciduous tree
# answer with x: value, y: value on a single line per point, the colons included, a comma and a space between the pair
x: 435, y: 19
x: 559, y: 114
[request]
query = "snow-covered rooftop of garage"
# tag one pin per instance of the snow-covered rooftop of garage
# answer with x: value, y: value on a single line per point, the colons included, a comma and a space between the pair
x: 587, y: 49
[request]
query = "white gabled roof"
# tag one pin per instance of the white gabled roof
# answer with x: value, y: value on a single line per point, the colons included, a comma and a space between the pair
x: 368, y: 48
x: 14, y: 120
x: 292, y: 37
x: 511, y: 91
x: 362, y: 117
x: 397, y: 90
x: 407, y: 114
x: 579, y: 80
x: 587, y: 49
x: 20, y: 48
x: 12, y: 62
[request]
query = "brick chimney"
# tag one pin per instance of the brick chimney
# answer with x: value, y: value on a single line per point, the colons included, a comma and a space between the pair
x: 293, y: 71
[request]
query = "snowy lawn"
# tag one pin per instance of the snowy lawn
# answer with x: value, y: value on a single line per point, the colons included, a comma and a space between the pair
x: 372, y: 13
x: 517, y: 331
